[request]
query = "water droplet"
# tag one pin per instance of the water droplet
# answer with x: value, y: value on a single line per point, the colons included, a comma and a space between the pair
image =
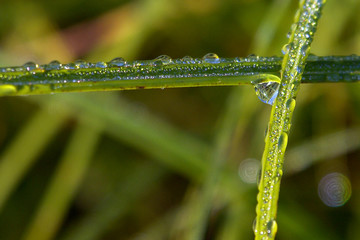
x: 271, y: 228
x: 187, y: 59
x: 7, y: 89
x: 304, y: 49
x: 162, y: 60
x: 117, y: 62
x: 266, y: 131
x: 100, y: 65
x: 283, y: 140
x: 258, y: 179
x: 288, y: 35
x: 254, y: 226
x: 53, y: 65
x: 285, y: 49
x: 81, y: 64
x: 30, y: 66
x: 279, y: 174
x: 267, y: 90
x: 290, y: 104
x: 211, y: 58
x: 70, y: 66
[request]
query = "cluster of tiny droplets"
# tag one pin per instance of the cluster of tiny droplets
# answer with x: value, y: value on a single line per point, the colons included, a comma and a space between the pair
x: 277, y: 137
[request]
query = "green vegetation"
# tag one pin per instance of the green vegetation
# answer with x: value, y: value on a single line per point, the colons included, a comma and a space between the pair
x: 164, y: 164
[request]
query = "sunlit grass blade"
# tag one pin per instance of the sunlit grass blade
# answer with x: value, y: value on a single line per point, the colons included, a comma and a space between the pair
x: 164, y: 72
x: 296, y: 52
x: 328, y: 146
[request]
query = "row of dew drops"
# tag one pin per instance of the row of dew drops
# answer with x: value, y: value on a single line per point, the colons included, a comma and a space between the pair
x: 210, y: 58
x: 265, y: 89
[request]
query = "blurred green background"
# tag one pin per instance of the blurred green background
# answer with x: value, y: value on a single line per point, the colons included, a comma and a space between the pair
x: 173, y: 163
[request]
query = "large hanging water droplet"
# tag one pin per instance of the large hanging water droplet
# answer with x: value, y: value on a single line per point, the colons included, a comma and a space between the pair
x: 267, y: 90
x: 271, y: 228
x: 162, y: 60
x: 211, y: 58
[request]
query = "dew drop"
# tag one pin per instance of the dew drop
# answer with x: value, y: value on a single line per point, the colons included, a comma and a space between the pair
x: 30, y: 66
x: 290, y: 104
x: 285, y: 49
x: 7, y: 89
x: 288, y: 35
x: 70, y: 66
x: 258, y: 179
x: 117, y: 62
x: 267, y: 90
x: 279, y: 174
x: 162, y: 60
x: 187, y: 59
x: 211, y: 58
x: 81, y: 64
x: 53, y: 65
x: 271, y: 228
x: 304, y: 49
x: 283, y: 139
x: 254, y: 226
x: 100, y: 65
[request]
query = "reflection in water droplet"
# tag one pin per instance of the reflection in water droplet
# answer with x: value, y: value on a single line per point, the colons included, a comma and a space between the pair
x: 334, y: 189
x: 271, y: 228
x: 267, y: 90
x: 211, y: 58
x: 248, y: 170
x: 7, y: 89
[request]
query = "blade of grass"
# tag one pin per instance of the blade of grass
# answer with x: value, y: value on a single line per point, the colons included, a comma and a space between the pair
x: 141, y: 180
x: 65, y: 182
x: 26, y: 147
x: 279, y: 124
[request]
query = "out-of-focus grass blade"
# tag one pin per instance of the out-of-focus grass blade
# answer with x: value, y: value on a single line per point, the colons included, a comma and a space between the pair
x: 140, y: 182
x: 325, y: 147
x: 65, y: 182
x: 134, y: 126
x: 236, y: 114
x: 19, y: 156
